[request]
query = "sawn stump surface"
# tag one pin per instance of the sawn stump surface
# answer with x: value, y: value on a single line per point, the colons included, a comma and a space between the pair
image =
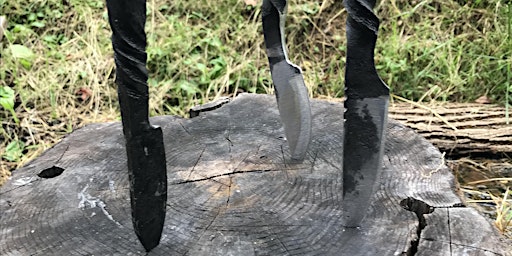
x: 233, y: 190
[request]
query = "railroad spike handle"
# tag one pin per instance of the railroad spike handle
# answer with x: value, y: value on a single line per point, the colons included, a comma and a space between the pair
x: 144, y: 143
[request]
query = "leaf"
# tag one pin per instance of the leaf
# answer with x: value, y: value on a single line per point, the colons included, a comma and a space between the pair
x: 7, y: 101
x: 21, y: 52
x: 14, y: 151
x: 201, y: 67
x: 188, y: 87
x: 38, y: 24
x: 7, y: 97
x: 26, y: 63
x: 215, y: 42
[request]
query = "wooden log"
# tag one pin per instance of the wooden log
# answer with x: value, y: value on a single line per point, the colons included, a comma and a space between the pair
x: 233, y: 191
x: 459, y: 129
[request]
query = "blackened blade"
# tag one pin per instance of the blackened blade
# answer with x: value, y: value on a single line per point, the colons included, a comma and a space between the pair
x: 365, y: 113
x: 291, y: 91
x: 148, y: 185
x: 144, y: 143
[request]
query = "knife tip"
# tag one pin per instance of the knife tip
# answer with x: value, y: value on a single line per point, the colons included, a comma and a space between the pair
x: 298, y: 157
x: 149, y: 234
x: 149, y: 242
x: 299, y: 146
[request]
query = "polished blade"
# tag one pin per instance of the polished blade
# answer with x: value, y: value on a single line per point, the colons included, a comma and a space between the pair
x: 294, y: 109
x: 290, y: 89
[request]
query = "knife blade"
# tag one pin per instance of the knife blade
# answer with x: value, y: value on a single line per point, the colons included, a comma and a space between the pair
x: 144, y: 142
x: 366, y: 104
x: 290, y: 89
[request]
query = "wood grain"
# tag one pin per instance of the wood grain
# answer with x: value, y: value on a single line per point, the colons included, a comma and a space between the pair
x: 480, y: 129
x: 233, y: 190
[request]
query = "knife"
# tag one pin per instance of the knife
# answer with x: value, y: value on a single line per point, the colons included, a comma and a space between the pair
x: 366, y: 105
x: 290, y: 89
x: 144, y: 142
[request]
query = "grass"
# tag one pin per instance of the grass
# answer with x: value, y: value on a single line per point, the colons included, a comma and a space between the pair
x: 486, y: 186
x: 501, y: 205
x: 504, y: 213
x: 509, y: 71
x: 56, y: 65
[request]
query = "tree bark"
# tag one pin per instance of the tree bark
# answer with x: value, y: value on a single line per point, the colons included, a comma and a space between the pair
x: 459, y: 129
x: 234, y: 191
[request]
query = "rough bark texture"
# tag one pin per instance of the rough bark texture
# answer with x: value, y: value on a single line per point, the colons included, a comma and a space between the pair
x: 233, y: 191
x: 480, y: 129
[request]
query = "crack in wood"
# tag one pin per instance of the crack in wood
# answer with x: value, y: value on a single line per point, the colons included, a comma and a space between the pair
x: 33, y: 180
x: 456, y: 138
x: 206, y: 229
x: 420, y: 208
x: 197, y: 110
x: 457, y: 205
x: 243, y: 160
x: 218, y: 212
x: 284, y: 162
x: 474, y: 247
x: 473, y: 123
x: 313, y: 162
x: 185, y: 129
x: 330, y: 163
x: 224, y: 174
x: 199, y: 206
x: 282, y: 155
x: 197, y: 162
x: 30, y: 181
x: 230, y: 142
x: 63, y: 153
x: 451, y: 243
x: 227, y: 134
x: 449, y: 230
x: 245, y: 226
x: 229, y: 190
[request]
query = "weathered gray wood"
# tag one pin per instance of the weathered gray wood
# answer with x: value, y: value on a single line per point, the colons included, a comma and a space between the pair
x: 458, y: 237
x: 196, y: 110
x: 481, y: 129
x: 234, y: 191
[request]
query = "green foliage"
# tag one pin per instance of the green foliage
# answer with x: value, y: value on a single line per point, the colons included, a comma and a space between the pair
x: 201, y: 50
x: 7, y: 101
x: 445, y: 51
x: 509, y: 63
x: 57, y: 55
x: 14, y: 151
x: 7, y: 97
x: 22, y: 54
x: 57, y: 70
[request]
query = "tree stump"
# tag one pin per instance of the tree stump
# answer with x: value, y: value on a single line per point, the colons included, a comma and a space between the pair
x: 234, y: 191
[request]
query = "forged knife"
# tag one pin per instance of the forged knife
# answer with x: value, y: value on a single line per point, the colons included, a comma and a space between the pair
x: 144, y: 143
x: 291, y: 92
x: 365, y: 113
